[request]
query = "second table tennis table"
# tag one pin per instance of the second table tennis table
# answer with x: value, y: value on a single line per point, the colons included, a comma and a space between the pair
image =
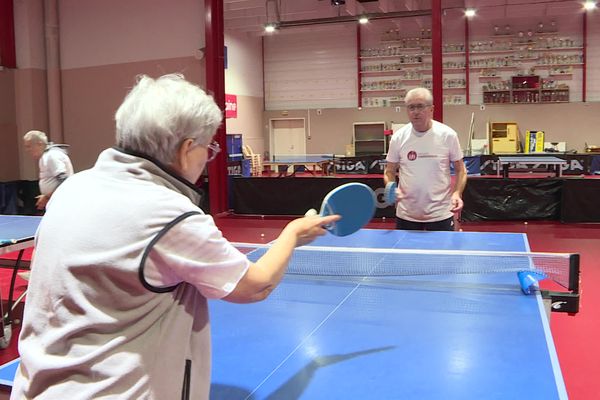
x: 308, y: 162
x: 504, y: 163
x: 17, y: 233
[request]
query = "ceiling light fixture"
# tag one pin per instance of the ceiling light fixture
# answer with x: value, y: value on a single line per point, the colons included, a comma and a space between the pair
x: 363, y: 19
x: 273, y: 15
x: 270, y: 27
x: 589, y: 5
x: 470, y: 12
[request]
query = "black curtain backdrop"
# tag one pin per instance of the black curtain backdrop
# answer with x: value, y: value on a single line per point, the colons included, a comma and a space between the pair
x: 486, y: 199
x: 294, y: 196
x: 580, y: 200
x: 512, y: 199
x: 569, y: 200
x: 19, y: 197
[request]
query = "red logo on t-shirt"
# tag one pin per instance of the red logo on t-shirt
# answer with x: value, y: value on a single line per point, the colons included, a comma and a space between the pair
x: 412, y: 155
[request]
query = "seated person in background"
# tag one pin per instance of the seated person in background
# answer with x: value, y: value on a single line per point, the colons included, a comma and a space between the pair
x: 126, y: 260
x: 421, y: 153
x: 53, y: 162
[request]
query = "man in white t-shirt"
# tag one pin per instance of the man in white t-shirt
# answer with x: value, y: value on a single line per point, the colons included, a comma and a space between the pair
x: 53, y: 162
x: 420, y: 154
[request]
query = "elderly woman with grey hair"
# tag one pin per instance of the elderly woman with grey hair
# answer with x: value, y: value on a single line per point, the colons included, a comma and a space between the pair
x: 126, y: 260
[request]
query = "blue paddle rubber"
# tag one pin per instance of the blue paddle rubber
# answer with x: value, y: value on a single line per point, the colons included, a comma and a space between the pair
x: 529, y: 279
x: 354, y: 202
x: 390, y: 193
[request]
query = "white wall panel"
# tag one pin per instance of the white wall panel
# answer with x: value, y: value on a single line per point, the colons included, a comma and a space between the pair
x: 29, y: 34
x: 95, y: 33
x: 243, y: 76
x: 311, y: 68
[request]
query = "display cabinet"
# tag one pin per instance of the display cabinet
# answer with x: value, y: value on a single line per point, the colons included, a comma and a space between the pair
x: 525, y: 89
x: 369, y: 138
x: 496, y: 96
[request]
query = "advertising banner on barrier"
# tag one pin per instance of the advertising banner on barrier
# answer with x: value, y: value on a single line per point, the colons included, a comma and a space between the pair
x: 374, y: 165
x: 577, y: 164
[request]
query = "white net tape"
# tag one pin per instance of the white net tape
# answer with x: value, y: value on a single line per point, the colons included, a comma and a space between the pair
x: 359, y: 262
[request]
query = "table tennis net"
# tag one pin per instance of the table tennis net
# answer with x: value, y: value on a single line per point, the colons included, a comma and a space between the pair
x: 369, y: 262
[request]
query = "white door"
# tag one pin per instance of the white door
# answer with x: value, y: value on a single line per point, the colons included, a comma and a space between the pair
x: 288, y: 137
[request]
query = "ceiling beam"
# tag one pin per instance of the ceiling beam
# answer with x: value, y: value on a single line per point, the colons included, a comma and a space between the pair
x: 353, y: 7
x: 384, y: 5
x: 350, y: 18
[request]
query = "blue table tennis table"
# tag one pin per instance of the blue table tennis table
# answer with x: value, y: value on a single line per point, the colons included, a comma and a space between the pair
x: 418, y: 337
x: 16, y: 234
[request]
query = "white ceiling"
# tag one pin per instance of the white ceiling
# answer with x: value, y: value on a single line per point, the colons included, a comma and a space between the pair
x: 250, y: 16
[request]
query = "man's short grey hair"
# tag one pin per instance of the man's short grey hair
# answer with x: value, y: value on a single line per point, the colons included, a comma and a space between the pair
x: 158, y: 114
x: 36, y: 136
x: 423, y: 93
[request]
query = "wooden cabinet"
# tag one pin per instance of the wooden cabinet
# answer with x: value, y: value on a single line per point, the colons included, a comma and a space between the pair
x: 504, y: 137
x: 526, y: 89
x: 369, y: 138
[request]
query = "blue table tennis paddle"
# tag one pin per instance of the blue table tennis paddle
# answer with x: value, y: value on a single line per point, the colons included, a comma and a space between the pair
x: 389, y: 193
x: 354, y: 202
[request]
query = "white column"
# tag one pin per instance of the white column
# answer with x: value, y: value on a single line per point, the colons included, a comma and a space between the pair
x: 30, y: 78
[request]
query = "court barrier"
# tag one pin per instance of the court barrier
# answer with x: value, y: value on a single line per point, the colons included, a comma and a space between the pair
x: 18, y: 197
